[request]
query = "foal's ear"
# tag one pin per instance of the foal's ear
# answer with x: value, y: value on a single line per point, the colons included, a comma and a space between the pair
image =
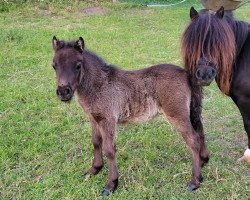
x: 220, y: 12
x: 193, y: 13
x: 80, y: 44
x: 55, y: 43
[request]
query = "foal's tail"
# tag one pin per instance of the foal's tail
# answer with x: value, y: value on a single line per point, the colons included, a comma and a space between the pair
x: 196, y: 106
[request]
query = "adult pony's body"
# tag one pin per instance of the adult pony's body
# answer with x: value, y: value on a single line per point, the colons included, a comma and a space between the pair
x: 109, y: 96
x: 215, y: 45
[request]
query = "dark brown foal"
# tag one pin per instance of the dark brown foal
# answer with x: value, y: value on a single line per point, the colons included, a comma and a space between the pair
x: 110, y: 96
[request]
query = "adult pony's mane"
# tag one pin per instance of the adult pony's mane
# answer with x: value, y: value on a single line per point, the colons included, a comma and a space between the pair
x: 218, y: 40
x: 240, y: 29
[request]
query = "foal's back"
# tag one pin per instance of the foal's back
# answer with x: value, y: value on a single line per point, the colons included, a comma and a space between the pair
x: 146, y: 92
x: 132, y: 96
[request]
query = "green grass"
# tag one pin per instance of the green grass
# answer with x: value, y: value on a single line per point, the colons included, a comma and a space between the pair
x: 45, y: 145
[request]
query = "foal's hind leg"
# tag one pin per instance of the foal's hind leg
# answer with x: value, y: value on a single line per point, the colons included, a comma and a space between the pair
x: 192, y: 139
x: 97, y: 143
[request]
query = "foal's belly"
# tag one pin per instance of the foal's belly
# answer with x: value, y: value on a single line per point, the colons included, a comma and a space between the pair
x: 140, y: 111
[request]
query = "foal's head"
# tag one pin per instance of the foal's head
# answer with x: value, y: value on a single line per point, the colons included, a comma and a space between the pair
x: 208, y: 48
x: 68, y: 64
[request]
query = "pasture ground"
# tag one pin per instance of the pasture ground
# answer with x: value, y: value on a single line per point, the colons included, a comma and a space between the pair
x: 45, y: 145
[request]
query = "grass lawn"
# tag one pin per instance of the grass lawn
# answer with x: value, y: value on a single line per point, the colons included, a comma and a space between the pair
x: 45, y: 145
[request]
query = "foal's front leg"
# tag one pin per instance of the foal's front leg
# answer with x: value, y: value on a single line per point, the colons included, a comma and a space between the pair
x: 97, y: 143
x: 107, y: 127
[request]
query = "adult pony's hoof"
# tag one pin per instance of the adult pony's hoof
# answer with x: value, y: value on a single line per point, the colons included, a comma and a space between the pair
x: 246, y: 157
x: 192, y: 187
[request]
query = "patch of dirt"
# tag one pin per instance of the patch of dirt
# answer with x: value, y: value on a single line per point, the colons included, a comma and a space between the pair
x: 44, y: 11
x: 148, y: 11
x: 37, y: 178
x: 95, y: 11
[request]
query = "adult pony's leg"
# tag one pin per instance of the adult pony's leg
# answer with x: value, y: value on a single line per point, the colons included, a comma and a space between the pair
x: 195, y: 118
x: 243, y: 103
x: 97, y: 143
x: 192, y: 139
x: 203, y: 150
x: 107, y: 127
x: 198, y: 127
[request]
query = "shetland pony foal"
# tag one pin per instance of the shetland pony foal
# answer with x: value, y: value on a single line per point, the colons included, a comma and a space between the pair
x: 110, y: 95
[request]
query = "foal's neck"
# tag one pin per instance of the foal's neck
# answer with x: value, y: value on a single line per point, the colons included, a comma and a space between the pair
x: 93, y: 75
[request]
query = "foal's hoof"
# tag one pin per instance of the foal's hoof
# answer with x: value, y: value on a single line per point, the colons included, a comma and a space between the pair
x: 192, y: 187
x: 106, y: 192
x: 93, y: 171
x: 110, y: 188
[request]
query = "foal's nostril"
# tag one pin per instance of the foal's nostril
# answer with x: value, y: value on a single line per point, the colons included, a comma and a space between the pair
x: 67, y: 91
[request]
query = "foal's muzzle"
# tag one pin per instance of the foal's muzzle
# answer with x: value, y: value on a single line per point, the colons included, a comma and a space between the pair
x: 65, y: 93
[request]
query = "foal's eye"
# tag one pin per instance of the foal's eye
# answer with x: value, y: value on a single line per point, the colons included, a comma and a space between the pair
x: 78, y: 66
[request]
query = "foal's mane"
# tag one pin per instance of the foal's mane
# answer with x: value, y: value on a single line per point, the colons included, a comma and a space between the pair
x: 219, y: 40
x: 89, y: 56
x: 95, y: 61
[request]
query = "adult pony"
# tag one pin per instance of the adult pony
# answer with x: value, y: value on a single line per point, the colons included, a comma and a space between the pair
x: 110, y: 95
x: 216, y: 46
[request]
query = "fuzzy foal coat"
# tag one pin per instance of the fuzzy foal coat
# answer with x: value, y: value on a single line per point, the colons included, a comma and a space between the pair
x: 136, y: 96
x: 110, y: 95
